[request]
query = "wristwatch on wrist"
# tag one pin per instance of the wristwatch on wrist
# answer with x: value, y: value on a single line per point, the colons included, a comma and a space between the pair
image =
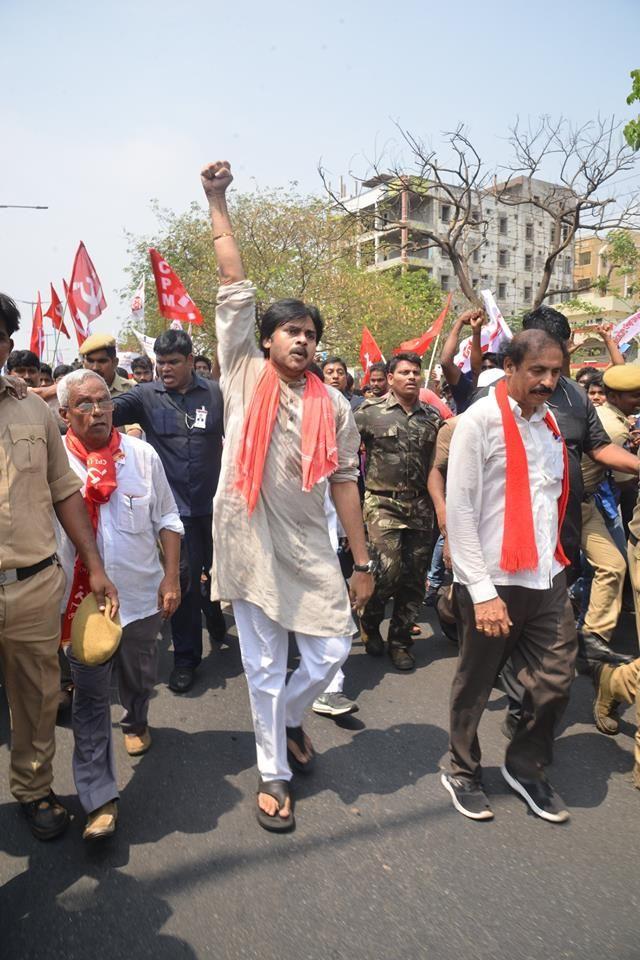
x: 364, y: 567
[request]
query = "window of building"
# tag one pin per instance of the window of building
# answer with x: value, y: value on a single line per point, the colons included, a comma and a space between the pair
x: 474, y: 283
x: 502, y: 291
x: 528, y: 261
x: 444, y: 281
x: 476, y: 256
x: 503, y: 258
x: 527, y: 294
x: 503, y: 224
x: 528, y: 231
x: 567, y: 264
x: 445, y: 212
x: 565, y: 231
x: 475, y: 214
x: 584, y: 258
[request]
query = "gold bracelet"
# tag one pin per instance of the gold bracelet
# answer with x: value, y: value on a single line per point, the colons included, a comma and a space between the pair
x: 219, y: 236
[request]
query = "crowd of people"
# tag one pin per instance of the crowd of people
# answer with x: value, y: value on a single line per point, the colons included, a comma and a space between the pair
x: 507, y: 498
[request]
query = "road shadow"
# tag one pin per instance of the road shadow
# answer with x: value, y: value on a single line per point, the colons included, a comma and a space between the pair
x: 61, y: 907
x: 582, y: 767
x: 72, y: 899
x: 179, y: 786
x: 366, y: 673
x: 221, y: 662
x: 376, y: 762
x: 584, y: 764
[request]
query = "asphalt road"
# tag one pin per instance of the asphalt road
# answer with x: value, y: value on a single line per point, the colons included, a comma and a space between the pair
x: 380, y: 866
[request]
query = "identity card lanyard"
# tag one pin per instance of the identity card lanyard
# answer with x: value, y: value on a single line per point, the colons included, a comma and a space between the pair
x: 199, y: 422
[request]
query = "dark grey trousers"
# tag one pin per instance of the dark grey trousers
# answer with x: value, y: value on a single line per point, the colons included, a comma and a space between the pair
x: 542, y: 645
x: 136, y: 661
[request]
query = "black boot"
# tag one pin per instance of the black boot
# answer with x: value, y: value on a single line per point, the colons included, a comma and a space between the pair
x: 592, y: 650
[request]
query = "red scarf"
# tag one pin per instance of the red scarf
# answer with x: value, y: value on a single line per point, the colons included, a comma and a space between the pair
x: 101, y: 482
x: 519, y: 551
x: 318, y: 442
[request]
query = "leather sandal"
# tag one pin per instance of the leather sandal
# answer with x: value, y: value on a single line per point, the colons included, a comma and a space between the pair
x: 279, y: 790
x: 297, y: 735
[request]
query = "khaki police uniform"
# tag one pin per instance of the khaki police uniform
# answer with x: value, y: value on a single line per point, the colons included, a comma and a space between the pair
x: 398, y: 512
x: 34, y: 475
x: 119, y: 385
x: 597, y: 544
x: 628, y: 675
x: 633, y: 556
x: 624, y: 687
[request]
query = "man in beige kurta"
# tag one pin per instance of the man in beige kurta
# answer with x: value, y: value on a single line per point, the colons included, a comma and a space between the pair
x: 280, y: 558
x: 276, y: 565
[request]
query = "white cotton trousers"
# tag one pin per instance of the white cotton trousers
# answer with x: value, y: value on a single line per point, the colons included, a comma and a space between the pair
x: 337, y: 684
x: 275, y: 704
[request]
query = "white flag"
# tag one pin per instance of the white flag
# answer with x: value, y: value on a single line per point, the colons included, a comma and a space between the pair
x: 494, y: 336
x: 627, y: 329
x: 146, y: 343
x: 137, y: 304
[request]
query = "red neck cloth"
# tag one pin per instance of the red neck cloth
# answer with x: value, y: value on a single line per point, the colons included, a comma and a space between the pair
x: 519, y: 551
x: 101, y: 482
x: 318, y: 442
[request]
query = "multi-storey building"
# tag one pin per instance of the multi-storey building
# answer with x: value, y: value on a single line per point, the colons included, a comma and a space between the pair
x: 591, y: 266
x: 505, y: 245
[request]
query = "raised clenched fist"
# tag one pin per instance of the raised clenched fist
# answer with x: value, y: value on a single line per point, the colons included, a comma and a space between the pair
x: 216, y: 177
x: 469, y: 315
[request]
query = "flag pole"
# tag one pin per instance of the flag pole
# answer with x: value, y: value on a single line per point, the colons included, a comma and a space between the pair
x: 57, y: 339
x: 59, y: 329
x: 432, y: 358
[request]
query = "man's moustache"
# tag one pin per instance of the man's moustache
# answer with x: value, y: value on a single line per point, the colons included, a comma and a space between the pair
x: 542, y: 391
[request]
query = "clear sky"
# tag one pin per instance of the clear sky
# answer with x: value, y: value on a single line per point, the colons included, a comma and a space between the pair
x: 105, y: 106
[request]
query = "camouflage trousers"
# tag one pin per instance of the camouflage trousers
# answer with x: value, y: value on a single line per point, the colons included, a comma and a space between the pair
x: 402, y: 558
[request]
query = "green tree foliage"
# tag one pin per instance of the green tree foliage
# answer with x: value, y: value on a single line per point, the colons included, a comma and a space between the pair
x: 632, y: 129
x: 622, y: 255
x: 292, y: 246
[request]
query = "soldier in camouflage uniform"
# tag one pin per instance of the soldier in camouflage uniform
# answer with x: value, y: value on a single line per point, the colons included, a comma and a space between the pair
x: 399, y: 435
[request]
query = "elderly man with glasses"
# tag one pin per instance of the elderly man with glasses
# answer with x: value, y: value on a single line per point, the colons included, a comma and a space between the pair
x: 130, y: 504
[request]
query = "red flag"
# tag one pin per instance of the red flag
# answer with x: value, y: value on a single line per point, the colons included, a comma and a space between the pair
x: 56, y: 313
x: 81, y: 333
x: 370, y: 353
x: 421, y: 344
x: 37, y: 331
x: 173, y: 300
x: 86, y: 289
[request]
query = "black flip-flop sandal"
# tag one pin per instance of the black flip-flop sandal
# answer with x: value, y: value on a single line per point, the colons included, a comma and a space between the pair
x: 279, y: 790
x: 297, y: 735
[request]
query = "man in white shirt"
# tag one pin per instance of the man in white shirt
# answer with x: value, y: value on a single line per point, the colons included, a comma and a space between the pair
x: 128, y: 497
x: 507, y: 488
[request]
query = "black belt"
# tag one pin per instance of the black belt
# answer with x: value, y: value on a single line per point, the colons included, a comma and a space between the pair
x: 23, y: 573
x: 398, y: 494
x: 633, y: 540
